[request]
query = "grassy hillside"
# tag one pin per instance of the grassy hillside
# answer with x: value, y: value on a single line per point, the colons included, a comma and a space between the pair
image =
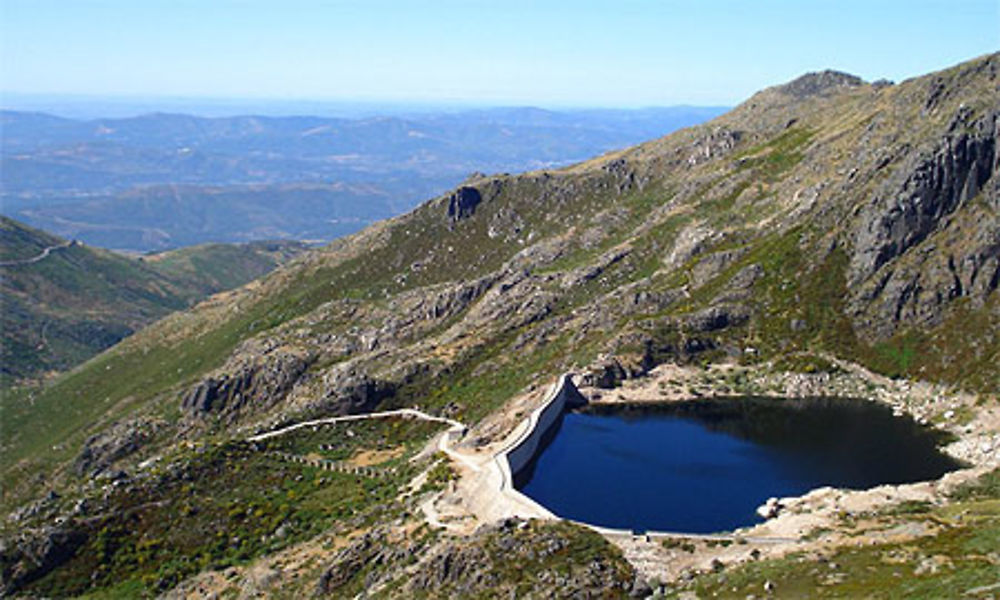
x: 77, y: 300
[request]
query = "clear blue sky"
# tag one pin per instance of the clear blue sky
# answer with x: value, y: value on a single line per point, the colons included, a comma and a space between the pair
x: 582, y: 52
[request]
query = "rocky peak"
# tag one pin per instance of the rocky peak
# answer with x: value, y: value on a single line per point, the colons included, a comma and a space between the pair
x: 812, y: 84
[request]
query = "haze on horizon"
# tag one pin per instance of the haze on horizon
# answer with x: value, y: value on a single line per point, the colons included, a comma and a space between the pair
x: 472, y: 52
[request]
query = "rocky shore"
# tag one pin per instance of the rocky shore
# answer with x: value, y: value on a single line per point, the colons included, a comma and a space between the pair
x: 815, y: 521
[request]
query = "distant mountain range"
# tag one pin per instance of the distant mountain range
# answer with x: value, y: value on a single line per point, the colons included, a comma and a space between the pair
x: 159, y: 181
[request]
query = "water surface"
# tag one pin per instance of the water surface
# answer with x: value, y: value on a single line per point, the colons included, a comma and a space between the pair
x: 705, y: 466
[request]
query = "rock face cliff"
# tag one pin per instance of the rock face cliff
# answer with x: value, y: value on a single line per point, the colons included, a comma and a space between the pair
x: 931, y: 195
x: 254, y: 386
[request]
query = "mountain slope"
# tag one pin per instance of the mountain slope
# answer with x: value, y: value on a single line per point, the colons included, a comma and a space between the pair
x: 64, y: 302
x: 823, y: 218
x: 778, y: 226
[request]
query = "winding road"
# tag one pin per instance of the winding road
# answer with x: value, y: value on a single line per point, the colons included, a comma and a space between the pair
x: 34, y: 259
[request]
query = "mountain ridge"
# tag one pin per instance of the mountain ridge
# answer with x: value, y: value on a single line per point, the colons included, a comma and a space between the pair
x: 690, y: 149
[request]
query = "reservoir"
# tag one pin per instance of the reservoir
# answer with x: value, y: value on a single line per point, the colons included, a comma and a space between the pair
x: 705, y: 466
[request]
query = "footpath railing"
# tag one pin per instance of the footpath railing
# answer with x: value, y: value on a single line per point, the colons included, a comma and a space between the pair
x: 455, y: 431
x: 339, y: 466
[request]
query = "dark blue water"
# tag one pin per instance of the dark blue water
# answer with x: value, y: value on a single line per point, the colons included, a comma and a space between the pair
x: 706, y: 466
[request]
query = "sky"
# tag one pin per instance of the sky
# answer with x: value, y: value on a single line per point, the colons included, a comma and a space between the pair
x: 614, y: 53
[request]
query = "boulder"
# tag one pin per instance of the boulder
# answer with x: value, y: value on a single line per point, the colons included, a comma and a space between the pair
x: 770, y: 509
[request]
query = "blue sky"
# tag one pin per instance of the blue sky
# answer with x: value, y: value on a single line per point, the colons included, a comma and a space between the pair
x: 588, y: 53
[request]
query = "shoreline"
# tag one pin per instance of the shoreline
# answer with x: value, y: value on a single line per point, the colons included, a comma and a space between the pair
x: 492, y: 496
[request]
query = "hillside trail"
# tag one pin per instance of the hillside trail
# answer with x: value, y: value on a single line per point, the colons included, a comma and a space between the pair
x: 455, y: 429
x: 41, y: 256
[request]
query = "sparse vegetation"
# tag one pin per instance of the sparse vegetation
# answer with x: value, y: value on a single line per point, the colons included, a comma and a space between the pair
x: 741, y: 241
x: 439, y: 475
x: 956, y: 559
x: 224, y: 504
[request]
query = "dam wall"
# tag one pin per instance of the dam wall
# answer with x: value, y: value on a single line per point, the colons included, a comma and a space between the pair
x: 528, y: 441
x: 524, y: 449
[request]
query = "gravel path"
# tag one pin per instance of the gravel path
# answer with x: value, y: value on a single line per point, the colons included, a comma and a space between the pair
x: 34, y: 259
x: 455, y: 429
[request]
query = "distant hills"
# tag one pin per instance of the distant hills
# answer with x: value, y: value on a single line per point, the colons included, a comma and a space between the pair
x: 62, y: 302
x: 160, y: 181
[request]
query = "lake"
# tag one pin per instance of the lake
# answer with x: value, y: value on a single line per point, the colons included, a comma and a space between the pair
x: 705, y: 466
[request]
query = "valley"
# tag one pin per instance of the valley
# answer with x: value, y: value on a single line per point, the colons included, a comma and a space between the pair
x: 64, y: 301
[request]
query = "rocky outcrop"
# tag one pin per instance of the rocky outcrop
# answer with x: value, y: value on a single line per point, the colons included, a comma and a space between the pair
x: 690, y: 242
x: 715, y: 318
x: 587, y: 272
x: 32, y: 555
x: 607, y: 373
x: 530, y: 557
x: 355, y: 393
x: 719, y: 142
x: 251, y: 387
x: 923, y: 193
x: 822, y: 82
x: 120, y: 440
x: 914, y: 249
x: 452, y: 300
x: 519, y: 558
x: 370, y: 554
x: 770, y: 509
x: 463, y: 202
